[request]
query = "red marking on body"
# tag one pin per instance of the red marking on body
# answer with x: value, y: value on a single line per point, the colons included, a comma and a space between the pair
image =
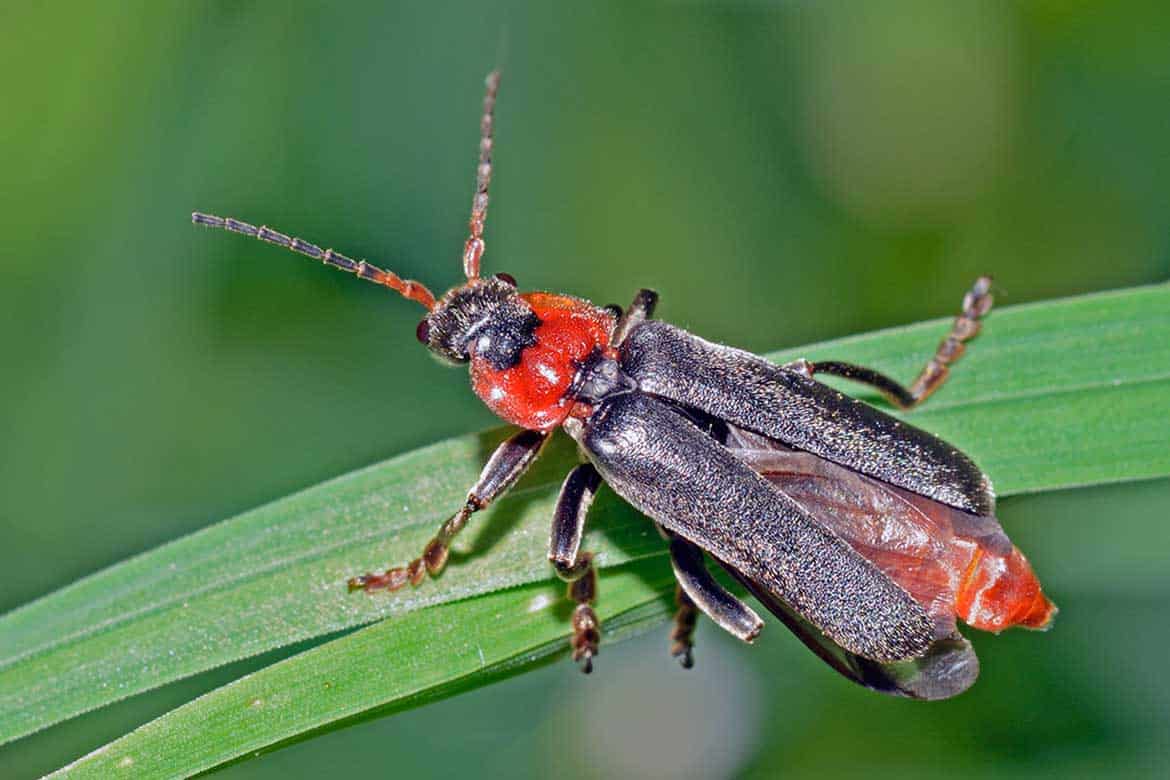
x: 989, y: 583
x: 999, y: 591
x: 532, y: 393
x: 953, y: 563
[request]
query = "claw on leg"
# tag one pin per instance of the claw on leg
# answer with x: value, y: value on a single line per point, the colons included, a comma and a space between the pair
x: 392, y: 579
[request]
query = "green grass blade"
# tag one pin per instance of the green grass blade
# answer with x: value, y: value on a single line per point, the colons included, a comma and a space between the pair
x: 1053, y: 395
x: 376, y: 671
x: 1056, y: 394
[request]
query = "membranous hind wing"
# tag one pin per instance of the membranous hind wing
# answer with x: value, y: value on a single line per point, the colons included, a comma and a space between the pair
x: 952, y: 563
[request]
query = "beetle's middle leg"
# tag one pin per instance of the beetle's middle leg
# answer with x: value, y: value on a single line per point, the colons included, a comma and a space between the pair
x: 698, y: 589
x: 572, y: 565
x: 506, y: 465
x: 976, y: 303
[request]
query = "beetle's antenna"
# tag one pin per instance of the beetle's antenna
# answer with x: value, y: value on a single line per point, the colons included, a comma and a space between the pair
x: 415, y: 291
x: 473, y: 249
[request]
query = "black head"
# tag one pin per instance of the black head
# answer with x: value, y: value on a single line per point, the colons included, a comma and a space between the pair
x: 485, y: 315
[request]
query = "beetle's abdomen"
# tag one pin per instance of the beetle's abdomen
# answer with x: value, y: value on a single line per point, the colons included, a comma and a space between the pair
x: 953, y: 563
x: 999, y: 591
x: 533, y: 393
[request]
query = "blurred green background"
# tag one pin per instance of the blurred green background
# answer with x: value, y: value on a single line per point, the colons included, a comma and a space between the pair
x: 781, y: 173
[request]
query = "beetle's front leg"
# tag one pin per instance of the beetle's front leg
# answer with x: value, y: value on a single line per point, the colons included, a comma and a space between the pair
x: 574, y: 566
x: 641, y: 309
x: 697, y: 588
x: 976, y: 303
x: 506, y: 465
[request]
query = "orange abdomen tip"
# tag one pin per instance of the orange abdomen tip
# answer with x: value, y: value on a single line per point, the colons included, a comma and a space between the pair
x: 999, y: 592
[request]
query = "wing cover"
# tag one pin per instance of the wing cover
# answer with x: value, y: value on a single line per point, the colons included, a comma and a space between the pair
x: 670, y: 469
x: 752, y: 393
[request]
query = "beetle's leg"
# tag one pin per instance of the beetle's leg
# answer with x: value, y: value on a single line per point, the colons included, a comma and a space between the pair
x: 640, y: 310
x: 976, y: 303
x: 894, y: 391
x: 574, y: 566
x: 697, y: 588
x: 682, y: 633
x: 504, y: 467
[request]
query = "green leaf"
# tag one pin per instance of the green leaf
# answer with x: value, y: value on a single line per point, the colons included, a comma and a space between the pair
x: 387, y: 667
x: 1052, y: 395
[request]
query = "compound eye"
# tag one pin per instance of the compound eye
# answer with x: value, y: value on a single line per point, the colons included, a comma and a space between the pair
x: 424, y: 332
x: 507, y: 278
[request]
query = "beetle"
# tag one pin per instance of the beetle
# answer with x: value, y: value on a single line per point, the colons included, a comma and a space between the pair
x: 866, y: 536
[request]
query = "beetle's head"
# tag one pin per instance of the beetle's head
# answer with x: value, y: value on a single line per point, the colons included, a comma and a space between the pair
x: 484, y: 316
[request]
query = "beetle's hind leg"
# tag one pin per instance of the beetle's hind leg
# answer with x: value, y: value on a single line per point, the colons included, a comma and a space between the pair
x: 698, y: 589
x: 574, y: 566
x: 976, y: 303
x: 506, y: 465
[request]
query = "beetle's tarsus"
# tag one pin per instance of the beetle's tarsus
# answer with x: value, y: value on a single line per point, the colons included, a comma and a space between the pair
x: 435, y: 556
x: 586, y: 636
x: 682, y: 635
x: 976, y: 303
x: 586, y: 628
x: 391, y: 579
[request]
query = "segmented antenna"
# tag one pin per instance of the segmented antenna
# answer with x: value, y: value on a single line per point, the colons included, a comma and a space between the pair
x: 415, y: 291
x: 473, y: 249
